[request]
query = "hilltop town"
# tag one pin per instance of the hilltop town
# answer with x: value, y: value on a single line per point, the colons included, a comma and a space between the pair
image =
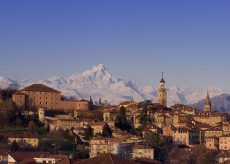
x: 40, y: 125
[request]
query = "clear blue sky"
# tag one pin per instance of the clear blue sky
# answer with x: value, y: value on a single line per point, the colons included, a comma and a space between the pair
x: 134, y: 39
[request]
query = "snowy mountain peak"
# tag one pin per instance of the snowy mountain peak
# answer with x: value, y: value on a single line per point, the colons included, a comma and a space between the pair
x: 5, y: 82
x: 99, y: 69
x: 98, y: 82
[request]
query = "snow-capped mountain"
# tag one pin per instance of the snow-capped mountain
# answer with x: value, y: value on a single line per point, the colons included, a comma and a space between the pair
x: 5, y: 82
x: 98, y: 82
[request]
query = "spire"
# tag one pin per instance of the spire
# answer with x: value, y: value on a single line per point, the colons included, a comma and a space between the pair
x: 207, y: 104
x: 207, y: 100
x: 162, y: 78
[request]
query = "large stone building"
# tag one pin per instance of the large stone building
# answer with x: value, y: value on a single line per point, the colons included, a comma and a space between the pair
x: 162, y: 93
x: 40, y: 96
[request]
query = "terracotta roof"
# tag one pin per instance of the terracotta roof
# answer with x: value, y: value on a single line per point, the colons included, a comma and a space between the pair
x: 223, y: 154
x: 27, y: 161
x: 19, y: 93
x: 147, y: 161
x: 62, y: 159
x: 3, y: 152
x: 20, y: 155
x: 107, y: 159
x: 21, y: 135
x: 40, y: 88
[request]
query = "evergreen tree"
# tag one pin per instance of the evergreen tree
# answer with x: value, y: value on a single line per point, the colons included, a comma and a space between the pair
x: 144, y: 118
x: 90, y: 102
x: 32, y: 126
x: 99, y: 101
x: 106, y: 132
x: 121, y: 121
x: 14, y: 146
x: 88, y: 133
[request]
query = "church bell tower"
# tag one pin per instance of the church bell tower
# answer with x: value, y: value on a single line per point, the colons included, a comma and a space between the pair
x: 162, y: 92
x: 207, y: 104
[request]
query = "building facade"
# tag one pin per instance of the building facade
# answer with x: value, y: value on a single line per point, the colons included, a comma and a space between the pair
x: 40, y: 96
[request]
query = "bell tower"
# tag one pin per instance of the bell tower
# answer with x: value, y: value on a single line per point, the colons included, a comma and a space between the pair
x: 162, y: 92
x: 207, y: 104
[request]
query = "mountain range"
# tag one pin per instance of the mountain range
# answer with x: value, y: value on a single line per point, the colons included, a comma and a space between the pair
x: 98, y: 82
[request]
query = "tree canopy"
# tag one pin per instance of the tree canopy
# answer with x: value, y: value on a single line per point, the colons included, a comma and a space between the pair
x: 121, y: 121
x: 106, y: 132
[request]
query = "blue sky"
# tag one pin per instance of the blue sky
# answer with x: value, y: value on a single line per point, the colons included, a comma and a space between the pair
x: 134, y: 39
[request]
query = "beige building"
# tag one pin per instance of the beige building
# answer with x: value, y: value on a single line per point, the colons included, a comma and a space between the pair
x: 98, y: 126
x: 226, y: 128
x: 186, y: 135
x: 213, y: 132
x: 224, y: 142
x: 109, y: 115
x: 181, y: 108
x: 211, y: 118
x: 116, y: 146
x: 143, y: 151
x: 212, y: 143
x: 29, y: 140
x: 40, y: 96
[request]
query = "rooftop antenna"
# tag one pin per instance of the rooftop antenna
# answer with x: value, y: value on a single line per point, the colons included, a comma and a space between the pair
x: 162, y: 75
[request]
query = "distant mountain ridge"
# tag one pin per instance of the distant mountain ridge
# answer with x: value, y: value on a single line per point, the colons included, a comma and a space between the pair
x: 220, y: 103
x: 98, y: 82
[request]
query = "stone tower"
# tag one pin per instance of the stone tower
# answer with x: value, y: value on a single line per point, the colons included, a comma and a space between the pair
x: 162, y: 92
x: 207, y: 104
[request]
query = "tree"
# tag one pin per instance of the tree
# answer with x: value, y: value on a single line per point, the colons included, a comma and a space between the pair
x: 14, y: 146
x: 121, y: 121
x: 90, y: 102
x: 159, y: 143
x: 32, y: 126
x: 88, y: 133
x: 144, y: 118
x: 18, y: 122
x: 106, y: 132
x: 99, y: 102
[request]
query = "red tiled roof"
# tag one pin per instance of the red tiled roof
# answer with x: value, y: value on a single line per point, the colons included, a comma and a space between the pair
x: 40, y: 88
x: 107, y: 159
x: 20, y: 155
x: 21, y: 135
x: 19, y: 93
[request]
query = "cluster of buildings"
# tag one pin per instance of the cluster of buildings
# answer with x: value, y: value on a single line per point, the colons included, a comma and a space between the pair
x: 184, y: 124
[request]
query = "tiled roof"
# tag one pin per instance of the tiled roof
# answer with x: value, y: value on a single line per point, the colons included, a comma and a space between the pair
x: 20, y: 155
x: 147, y: 161
x: 19, y: 93
x: 40, y: 88
x: 21, y: 135
x: 223, y: 154
x: 107, y: 159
